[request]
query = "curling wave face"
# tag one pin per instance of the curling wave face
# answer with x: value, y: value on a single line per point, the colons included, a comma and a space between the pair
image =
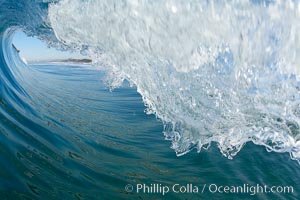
x: 212, y: 71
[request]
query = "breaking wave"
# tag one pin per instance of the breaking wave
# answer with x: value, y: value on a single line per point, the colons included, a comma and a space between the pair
x: 212, y: 71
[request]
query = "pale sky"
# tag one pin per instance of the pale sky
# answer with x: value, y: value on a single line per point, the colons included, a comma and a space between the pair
x: 32, y: 49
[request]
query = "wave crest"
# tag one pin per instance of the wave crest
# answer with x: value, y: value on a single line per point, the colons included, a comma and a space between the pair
x: 213, y: 71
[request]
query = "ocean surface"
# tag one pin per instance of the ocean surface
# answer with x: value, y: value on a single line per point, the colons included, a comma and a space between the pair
x: 78, y: 140
x: 183, y: 100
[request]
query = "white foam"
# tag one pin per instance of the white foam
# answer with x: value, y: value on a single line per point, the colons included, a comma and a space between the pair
x: 223, y: 71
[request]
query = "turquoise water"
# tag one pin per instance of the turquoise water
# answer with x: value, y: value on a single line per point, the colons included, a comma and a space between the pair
x: 85, y: 142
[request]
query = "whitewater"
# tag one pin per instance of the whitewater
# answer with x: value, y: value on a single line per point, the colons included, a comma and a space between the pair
x: 212, y: 71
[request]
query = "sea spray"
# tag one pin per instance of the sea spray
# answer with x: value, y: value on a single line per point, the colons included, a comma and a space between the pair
x: 212, y: 71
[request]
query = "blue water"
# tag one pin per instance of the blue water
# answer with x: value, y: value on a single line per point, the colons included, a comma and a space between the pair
x: 81, y: 141
x: 65, y: 135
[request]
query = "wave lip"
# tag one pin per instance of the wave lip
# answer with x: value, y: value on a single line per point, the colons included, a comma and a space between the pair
x: 215, y: 71
x: 225, y: 97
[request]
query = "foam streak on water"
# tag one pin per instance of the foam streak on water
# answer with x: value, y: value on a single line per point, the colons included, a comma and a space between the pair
x: 222, y: 71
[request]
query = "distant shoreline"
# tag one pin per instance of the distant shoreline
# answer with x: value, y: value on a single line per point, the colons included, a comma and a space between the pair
x: 70, y: 60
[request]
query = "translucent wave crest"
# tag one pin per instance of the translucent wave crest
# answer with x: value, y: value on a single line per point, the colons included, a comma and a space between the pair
x: 212, y: 71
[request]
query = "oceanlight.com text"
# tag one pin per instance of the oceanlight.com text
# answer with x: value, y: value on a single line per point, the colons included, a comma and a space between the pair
x: 157, y: 188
